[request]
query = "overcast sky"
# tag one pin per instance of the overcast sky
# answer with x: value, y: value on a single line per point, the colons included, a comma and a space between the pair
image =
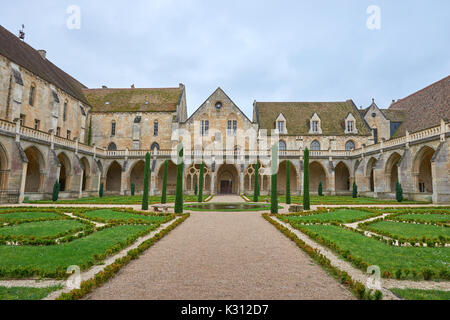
x: 254, y: 50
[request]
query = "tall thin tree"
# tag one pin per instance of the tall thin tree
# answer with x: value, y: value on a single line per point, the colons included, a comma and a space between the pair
x: 274, y: 186
x: 256, y: 186
x: 306, y: 200
x: 164, y: 187
x: 146, y: 182
x: 201, y: 182
x: 288, y: 182
x: 179, y: 191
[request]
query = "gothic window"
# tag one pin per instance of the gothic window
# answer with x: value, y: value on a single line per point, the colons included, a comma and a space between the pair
x: 37, y: 124
x: 204, y: 127
x: 155, y: 128
x: 232, y: 127
x: 65, y: 111
x: 155, y: 146
x: 282, y: 145
x: 315, y: 145
x: 113, y: 129
x: 32, y: 95
x: 350, y: 145
x: 112, y: 147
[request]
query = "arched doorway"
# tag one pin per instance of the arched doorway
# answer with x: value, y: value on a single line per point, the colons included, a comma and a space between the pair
x: 114, y: 177
x: 227, y: 179
x: 342, y: 177
x: 317, y: 175
x: 370, y: 173
x: 171, y: 177
x: 137, y: 176
x: 34, y: 178
x: 391, y: 171
x: 4, y: 165
x: 282, y: 178
x: 86, y: 174
x: 422, y: 170
x: 64, y: 173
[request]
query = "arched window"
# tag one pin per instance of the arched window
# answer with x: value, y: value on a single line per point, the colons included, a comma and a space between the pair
x: 155, y: 128
x: 315, y: 145
x: 155, y: 146
x: 350, y: 145
x: 282, y: 145
x: 112, y: 147
x: 113, y: 128
x: 32, y: 95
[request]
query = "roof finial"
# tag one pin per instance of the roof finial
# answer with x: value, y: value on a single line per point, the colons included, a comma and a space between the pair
x: 373, y: 100
x: 22, y: 33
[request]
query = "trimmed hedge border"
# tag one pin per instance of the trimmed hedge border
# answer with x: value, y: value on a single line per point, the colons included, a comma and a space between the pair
x: 328, y: 210
x: 103, y: 276
x: 81, y: 214
x: 357, y: 288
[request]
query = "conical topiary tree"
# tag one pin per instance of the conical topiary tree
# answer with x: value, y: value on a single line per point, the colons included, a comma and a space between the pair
x: 398, y: 192
x: 256, y: 186
x: 196, y: 189
x: 274, y: 186
x: 146, y: 182
x: 320, y: 191
x: 100, y: 191
x: 164, y: 187
x: 56, y: 188
x: 288, y: 182
x: 355, y: 190
x: 201, y: 182
x: 133, y: 189
x: 306, y: 200
x: 179, y: 191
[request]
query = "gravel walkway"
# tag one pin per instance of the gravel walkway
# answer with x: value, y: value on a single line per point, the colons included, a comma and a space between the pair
x: 223, y: 256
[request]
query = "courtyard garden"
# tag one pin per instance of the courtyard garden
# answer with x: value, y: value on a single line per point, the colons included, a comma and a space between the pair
x: 118, y: 200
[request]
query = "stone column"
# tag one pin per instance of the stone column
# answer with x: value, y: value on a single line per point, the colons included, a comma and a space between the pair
x: 213, y: 182
x: 332, y: 182
x: 241, y: 184
x: 80, y: 189
x: 22, y: 182
x: 123, y: 184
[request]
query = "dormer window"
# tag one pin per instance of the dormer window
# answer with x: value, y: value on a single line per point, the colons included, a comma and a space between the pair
x: 350, y: 124
x: 315, y: 125
x: 281, y: 124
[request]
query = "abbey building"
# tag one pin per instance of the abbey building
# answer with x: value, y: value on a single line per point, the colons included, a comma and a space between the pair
x: 52, y: 128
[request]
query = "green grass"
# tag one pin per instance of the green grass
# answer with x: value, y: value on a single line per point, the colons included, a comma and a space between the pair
x: 42, y: 229
x: 52, y: 261
x: 117, y: 200
x: 410, y: 230
x: 340, y: 200
x: 340, y: 215
x: 28, y: 215
x: 423, y: 217
x: 415, y: 294
x: 375, y: 252
x: 108, y: 215
x: 25, y: 293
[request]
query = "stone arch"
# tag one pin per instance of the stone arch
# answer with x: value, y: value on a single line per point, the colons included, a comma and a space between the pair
x: 282, y: 146
x: 249, y: 178
x: 317, y: 174
x: 342, y: 177
x: 86, y: 185
x: 171, y: 177
x: 370, y: 173
x: 65, y: 171
x: 112, y: 147
x: 4, y: 168
x: 422, y: 170
x: 391, y: 171
x: 227, y: 179
x: 36, y: 166
x: 114, y: 177
x: 282, y: 178
x: 315, y: 145
x: 137, y: 176
x: 100, y: 168
x: 154, y: 146
x: 193, y: 178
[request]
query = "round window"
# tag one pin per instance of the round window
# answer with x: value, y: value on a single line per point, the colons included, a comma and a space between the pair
x: 219, y: 105
x: 374, y: 115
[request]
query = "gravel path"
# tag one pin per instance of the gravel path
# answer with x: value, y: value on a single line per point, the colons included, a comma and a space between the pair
x: 223, y: 256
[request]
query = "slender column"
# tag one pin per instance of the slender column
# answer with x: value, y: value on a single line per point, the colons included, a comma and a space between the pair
x: 22, y: 182
x: 241, y: 186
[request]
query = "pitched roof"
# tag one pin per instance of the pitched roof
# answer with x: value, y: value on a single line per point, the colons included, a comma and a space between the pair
x: 134, y: 100
x: 425, y: 108
x: 394, y: 115
x: 27, y: 57
x: 298, y: 114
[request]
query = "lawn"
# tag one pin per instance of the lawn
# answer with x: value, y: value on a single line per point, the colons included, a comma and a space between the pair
x: 118, y: 200
x: 52, y: 261
x: 423, y: 217
x: 19, y: 216
x: 409, y: 230
x: 24, y: 293
x: 43, y: 229
x: 358, y: 248
x: 109, y: 215
x: 337, y: 200
x: 340, y: 215
x: 415, y: 294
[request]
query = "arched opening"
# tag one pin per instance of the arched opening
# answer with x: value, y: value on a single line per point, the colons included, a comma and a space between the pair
x: 350, y: 145
x: 155, y: 146
x: 342, y: 177
x: 86, y: 174
x: 35, y: 164
x: 171, y: 178
x: 137, y: 176
x: 114, y: 177
x: 4, y: 165
x: 193, y: 178
x: 227, y: 179
x: 315, y: 145
x: 64, y: 173
x: 391, y: 171
x: 317, y: 175
x: 249, y: 178
x: 282, y: 145
x: 370, y: 173
x: 112, y: 147
x: 282, y: 178
x: 422, y: 169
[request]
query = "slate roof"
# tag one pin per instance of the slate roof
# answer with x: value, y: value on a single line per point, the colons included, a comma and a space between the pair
x: 27, y: 57
x: 425, y: 108
x: 134, y: 99
x: 298, y: 115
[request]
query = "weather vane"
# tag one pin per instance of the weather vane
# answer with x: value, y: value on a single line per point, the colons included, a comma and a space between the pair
x: 22, y: 33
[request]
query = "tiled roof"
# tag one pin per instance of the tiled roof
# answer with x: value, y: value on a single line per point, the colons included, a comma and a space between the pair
x: 27, y: 57
x: 298, y: 115
x: 134, y: 100
x: 394, y: 115
x: 425, y: 108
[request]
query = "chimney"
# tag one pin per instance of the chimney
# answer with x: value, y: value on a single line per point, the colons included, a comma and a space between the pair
x: 104, y: 87
x: 132, y: 86
x: 43, y: 54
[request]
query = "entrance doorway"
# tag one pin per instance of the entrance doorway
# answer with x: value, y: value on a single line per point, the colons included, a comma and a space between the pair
x: 226, y: 187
